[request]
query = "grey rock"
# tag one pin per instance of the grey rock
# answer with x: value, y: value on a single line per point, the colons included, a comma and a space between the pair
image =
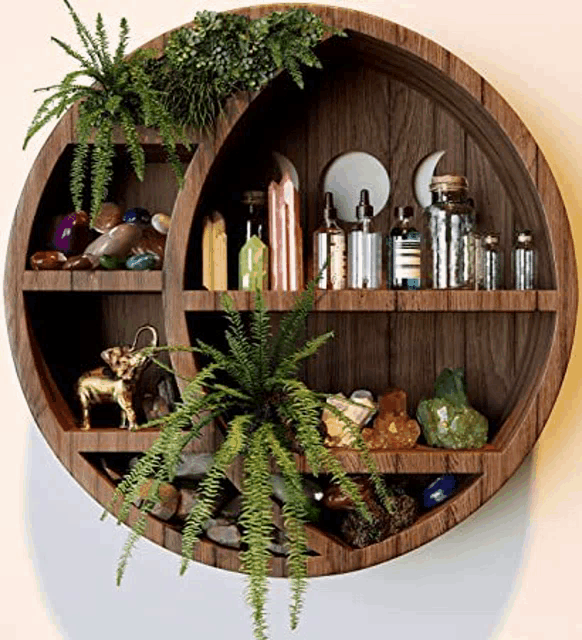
x: 279, y: 544
x: 188, y: 498
x: 116, y: 242
x: 223, y: 532
x: 194, y: 466
x: 231, y: 511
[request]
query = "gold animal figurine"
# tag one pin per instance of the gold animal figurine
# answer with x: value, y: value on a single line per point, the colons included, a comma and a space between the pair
x: 116, y: 383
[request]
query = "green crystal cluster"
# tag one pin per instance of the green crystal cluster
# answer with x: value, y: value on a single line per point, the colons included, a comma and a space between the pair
x: 447, y: 420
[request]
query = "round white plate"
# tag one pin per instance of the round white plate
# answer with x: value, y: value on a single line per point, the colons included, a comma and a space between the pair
x: 351, y: 172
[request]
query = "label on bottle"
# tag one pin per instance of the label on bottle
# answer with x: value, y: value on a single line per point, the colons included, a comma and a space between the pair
x: 405, y: 252
x: 337, y: 261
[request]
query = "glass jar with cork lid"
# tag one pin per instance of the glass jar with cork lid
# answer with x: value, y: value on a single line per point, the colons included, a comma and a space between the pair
x: 448, y: 251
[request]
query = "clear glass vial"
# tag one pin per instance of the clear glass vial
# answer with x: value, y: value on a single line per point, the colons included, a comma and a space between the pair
x: 403, y: 252
x: 448, y: 243
x: 524, y: 261
x: 329, y: 249
x: 492, y: 263
x: 364, y: 249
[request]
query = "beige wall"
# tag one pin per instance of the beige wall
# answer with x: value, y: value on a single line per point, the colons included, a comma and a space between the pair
x: 531, y: 52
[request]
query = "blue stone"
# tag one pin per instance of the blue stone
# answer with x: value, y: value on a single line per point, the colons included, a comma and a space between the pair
x: 141, y: 262
x: 137, y: 215
x: 439, y: 491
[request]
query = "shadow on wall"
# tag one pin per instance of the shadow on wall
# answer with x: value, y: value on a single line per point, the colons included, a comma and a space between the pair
x: 457, y: 587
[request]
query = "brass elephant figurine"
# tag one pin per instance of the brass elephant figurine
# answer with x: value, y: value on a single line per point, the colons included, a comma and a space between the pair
x: 116, y: 383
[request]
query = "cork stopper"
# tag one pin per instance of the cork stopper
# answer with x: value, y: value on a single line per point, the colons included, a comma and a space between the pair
x: 448, y: 183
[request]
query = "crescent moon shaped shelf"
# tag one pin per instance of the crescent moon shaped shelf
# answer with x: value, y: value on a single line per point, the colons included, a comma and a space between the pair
x: 413, y: 97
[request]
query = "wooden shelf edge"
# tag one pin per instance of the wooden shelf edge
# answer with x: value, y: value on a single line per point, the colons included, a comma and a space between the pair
x: 421, y: 459
x: 384, y: 300
x: 96, y: 281
x: 111, y: 439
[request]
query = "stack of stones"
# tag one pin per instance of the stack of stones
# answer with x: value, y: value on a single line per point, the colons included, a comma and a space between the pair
x: 133, y: 240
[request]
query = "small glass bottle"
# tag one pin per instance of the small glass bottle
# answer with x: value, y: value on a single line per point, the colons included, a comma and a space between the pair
x: 364, y: 249
x: 492, y: 263
x: 329, y: 249
x: 403, y: 244
x: 524, y: 261
x: 448, y: 239
x: 253, y: 271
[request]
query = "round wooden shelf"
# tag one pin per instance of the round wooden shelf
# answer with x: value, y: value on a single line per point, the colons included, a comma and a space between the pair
x: 399, y: 96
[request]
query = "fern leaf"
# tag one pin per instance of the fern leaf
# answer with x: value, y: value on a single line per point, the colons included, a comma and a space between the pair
x: 256, y: 518
x: 210, y: 486
x: 123, y: 39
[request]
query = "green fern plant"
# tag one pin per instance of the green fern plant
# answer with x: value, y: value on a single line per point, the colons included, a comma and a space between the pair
x: 121, y: 94
x: 253, y: 385
x: 222, y: 53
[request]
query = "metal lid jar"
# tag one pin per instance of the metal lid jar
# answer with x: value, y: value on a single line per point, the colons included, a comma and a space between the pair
x: 448, y: 256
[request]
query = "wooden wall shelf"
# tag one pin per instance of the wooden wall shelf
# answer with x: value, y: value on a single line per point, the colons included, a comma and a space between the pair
x: 413, y: 97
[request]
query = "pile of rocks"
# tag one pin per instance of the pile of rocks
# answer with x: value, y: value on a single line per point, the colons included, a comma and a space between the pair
x: 132, y: 240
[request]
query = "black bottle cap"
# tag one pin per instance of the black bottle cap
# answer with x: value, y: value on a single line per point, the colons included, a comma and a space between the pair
x: 364, y: 209
x: 329, y: 211
x: 403, y: 212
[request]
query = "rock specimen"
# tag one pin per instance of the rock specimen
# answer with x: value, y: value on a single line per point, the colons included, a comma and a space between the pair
x: 109, y: 217
x: 188, y: 498
x: 392, y: 432
x: 151, y: 242
x: 80, y: 263
x: 194, y: 466
x: 359, y: 533
x: 393, y: 402
x: 358, y: 410
x: 111, y: 262
x: 448, y: 420
x: 72, y: 233
x: 224, y: 532
x: 392, y: 429
x: 116, y: 242
x: 161, y: 223
x: 334, y: 498
x: 142, y: 262
x: 439, y: 490
x: 231, y: 511
x: 169, y: 498
x: 137, y: 215
x: 44, y: 260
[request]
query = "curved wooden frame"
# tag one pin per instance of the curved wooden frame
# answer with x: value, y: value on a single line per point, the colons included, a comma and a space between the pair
x: 527, y: 178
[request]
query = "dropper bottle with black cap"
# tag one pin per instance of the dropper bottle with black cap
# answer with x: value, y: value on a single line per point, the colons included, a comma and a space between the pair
x: 329, y: 249
x: 364, y: 249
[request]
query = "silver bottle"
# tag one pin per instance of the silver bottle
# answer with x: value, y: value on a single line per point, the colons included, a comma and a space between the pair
x: 524, y: 261
x: 492, y: 263
x: 364, y: 249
